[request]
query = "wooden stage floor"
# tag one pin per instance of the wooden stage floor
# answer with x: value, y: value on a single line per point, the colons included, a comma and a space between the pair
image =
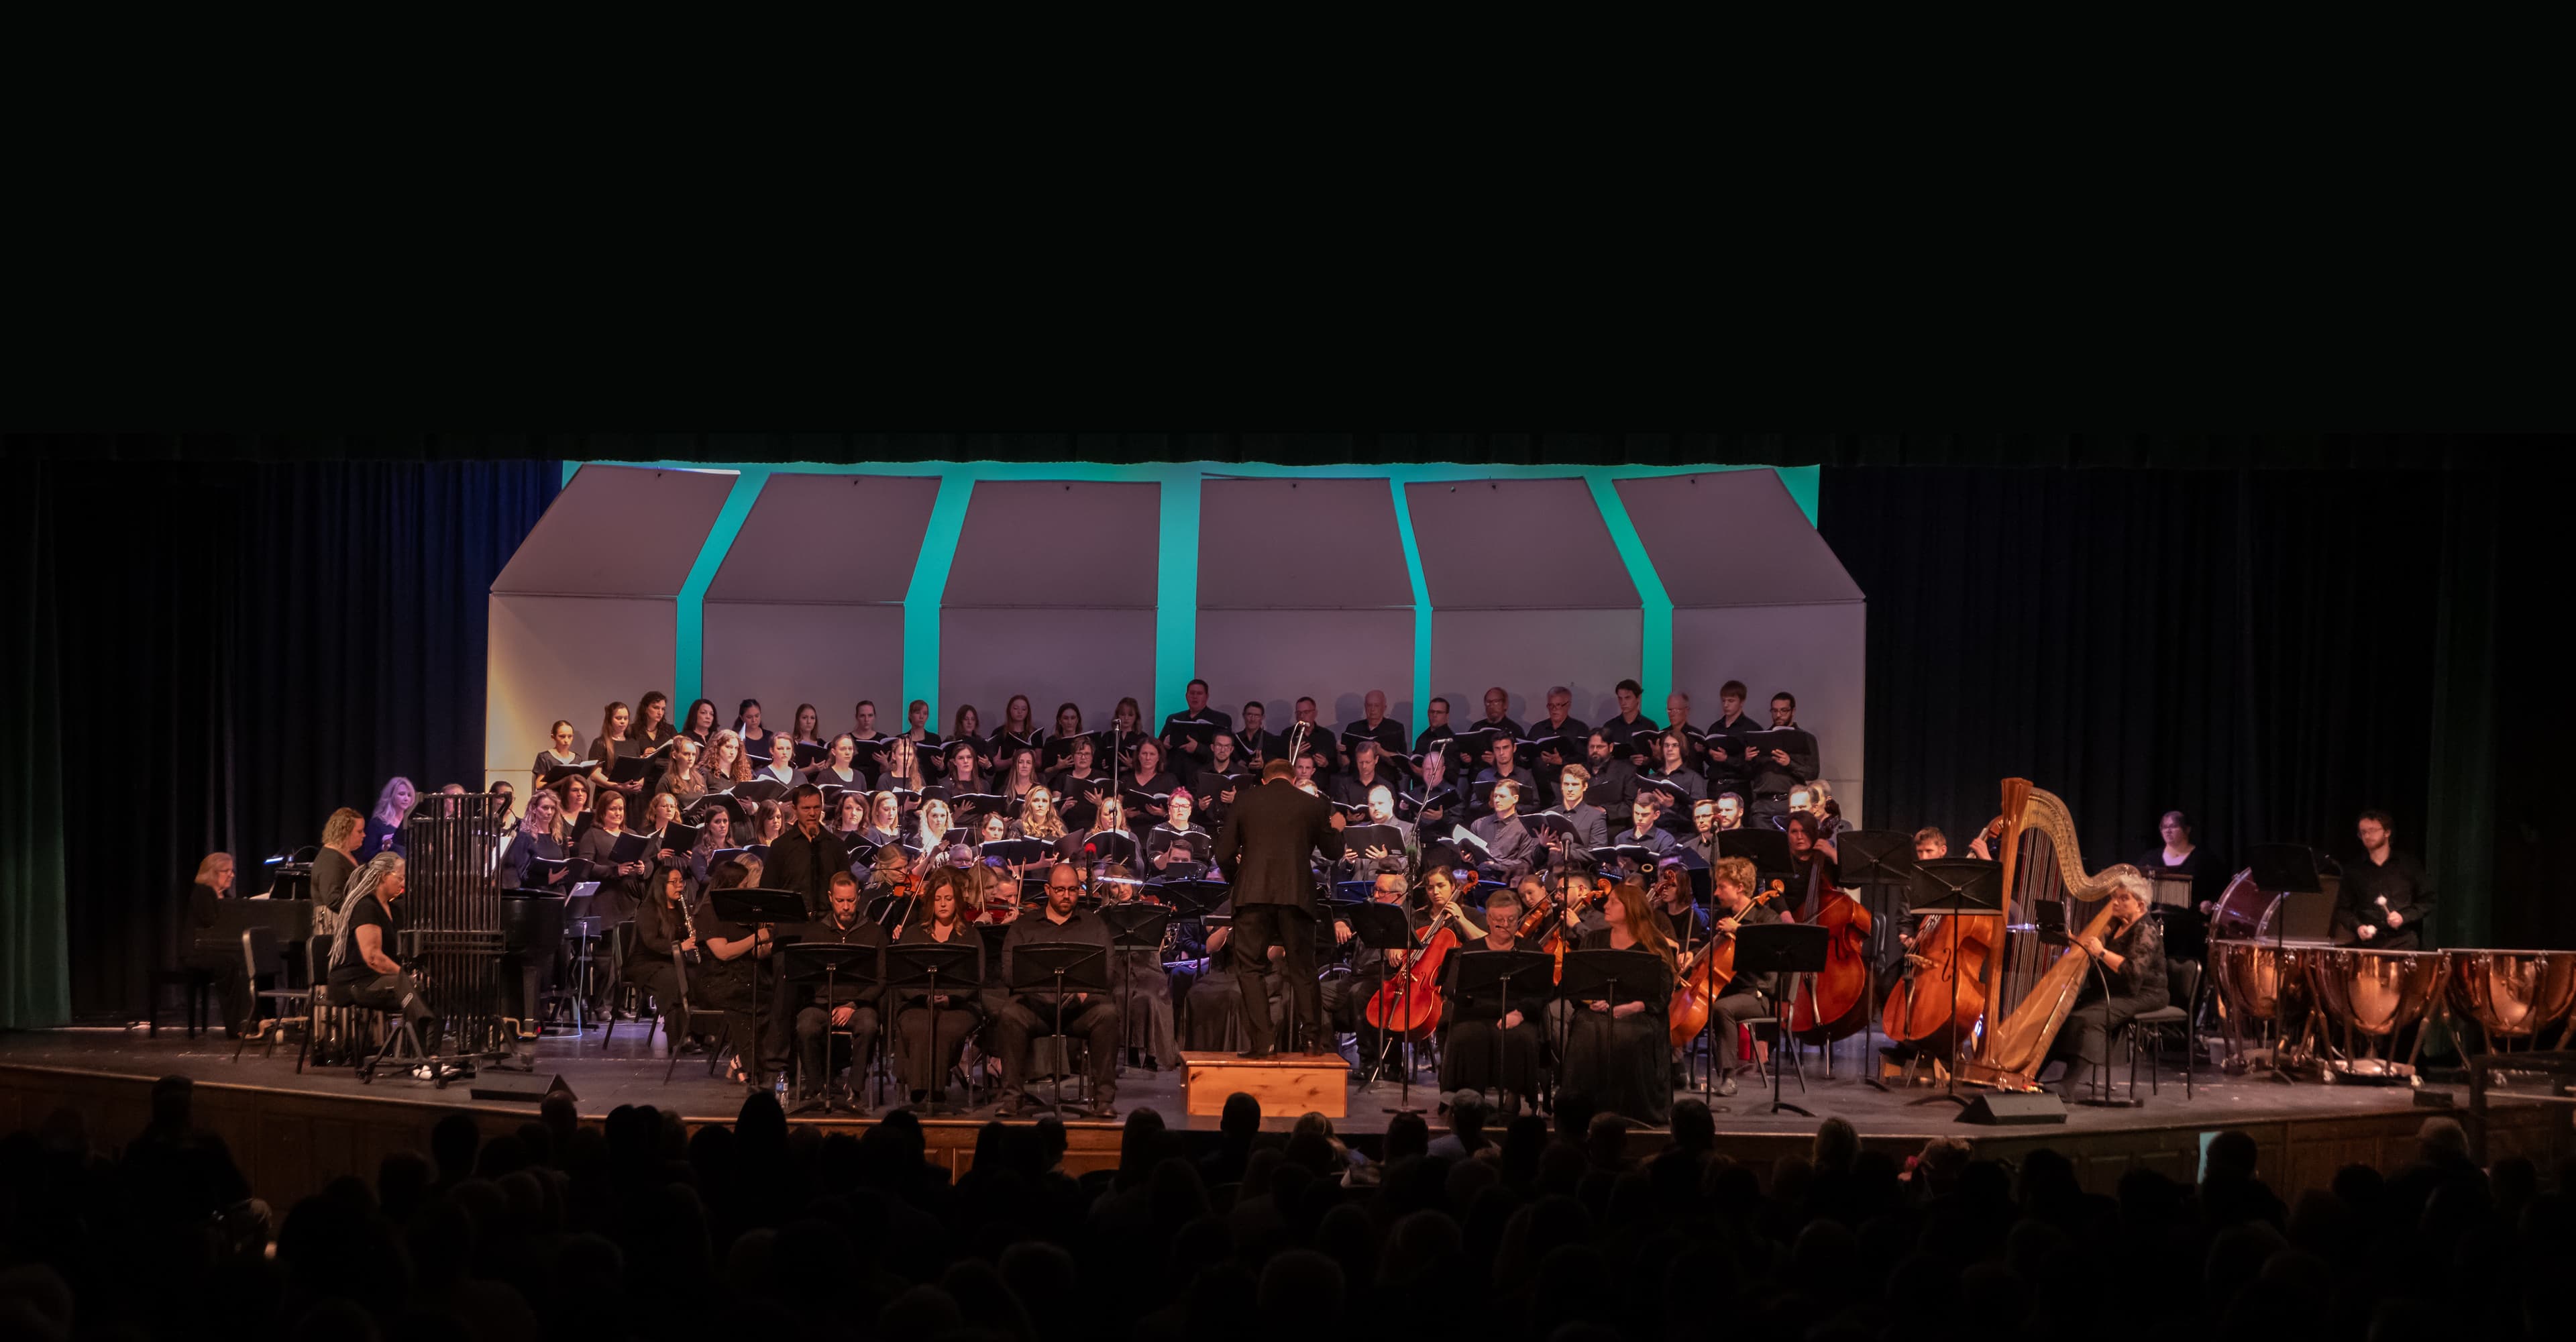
x: 295, y: 1131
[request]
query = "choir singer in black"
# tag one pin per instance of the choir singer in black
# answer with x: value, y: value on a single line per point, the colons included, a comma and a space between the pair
x: 1263, y: 850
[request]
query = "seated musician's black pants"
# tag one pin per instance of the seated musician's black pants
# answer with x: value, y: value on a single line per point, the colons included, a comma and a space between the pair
x: 1024, y: 1018
x: 813, y: 1038
x: 391, y: 992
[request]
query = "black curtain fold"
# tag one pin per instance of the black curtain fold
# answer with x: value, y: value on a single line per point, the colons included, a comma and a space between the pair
x: 2267, y: 651
x: 274, y: 643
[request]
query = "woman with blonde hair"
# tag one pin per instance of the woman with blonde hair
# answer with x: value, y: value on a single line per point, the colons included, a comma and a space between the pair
x: 213, y: 885
x: 384, y: 824
x: 1616, y: 1049
x: 1038, y: 818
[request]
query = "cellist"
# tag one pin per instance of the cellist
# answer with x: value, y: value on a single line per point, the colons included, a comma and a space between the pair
x: 1346, y: 996
x: 1731, y: 884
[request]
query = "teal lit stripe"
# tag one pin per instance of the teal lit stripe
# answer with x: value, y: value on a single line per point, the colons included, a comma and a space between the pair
x: 929, y: 584
x: 1421, y: 606
x: 688, y: 650
x: 1801, y: 483
x: 1655, y: 605
x: 1176, y: 594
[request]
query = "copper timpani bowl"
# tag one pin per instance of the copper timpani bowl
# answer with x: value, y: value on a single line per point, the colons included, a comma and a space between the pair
x: 2512, y: 994
x: 2376, y: 993
x: 2258, y: 980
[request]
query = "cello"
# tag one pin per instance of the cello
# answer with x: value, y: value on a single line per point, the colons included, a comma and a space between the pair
x: 1834, y: 1001
x: 1409, y: 1003
x: 1704, y: 977
x: 1944, y: 992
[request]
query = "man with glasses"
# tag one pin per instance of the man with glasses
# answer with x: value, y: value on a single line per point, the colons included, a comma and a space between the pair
x: 1023, y: 1014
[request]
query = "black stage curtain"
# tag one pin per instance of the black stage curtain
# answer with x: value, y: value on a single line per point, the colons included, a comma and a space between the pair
x: 2270, y: 652
x: 229, y: 651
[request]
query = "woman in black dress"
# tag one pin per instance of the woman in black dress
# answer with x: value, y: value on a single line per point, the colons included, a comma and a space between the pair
x: 954, y: 1017
x: 1616, y: 1051
x: 621, y: 885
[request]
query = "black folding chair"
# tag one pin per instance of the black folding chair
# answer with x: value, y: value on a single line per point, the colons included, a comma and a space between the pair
x: 261, y: 955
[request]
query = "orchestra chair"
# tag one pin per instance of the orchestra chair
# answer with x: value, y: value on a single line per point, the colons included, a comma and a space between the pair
x: 1057, y: 1055
x: 2182, y: 984
x: 330, y: 1035
x: 1781, y: 1041
x: 261, y: 955
x: 621, y: 943
x: 401, y: 1041
x: 194, y: 985
x: 689, y: 1018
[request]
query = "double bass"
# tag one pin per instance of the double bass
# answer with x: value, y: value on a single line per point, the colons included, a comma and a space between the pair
x: 1834, y: 1001
x: 1943, y: 995
x: 1704, y: 977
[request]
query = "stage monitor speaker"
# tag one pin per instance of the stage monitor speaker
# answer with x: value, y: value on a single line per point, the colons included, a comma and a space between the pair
x: 2003, y: 1110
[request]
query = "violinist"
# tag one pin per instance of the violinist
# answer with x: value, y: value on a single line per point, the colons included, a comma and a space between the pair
x: 842, y: 1006
x: 1346, y: 996
x: 1617, y: 1051
x: 1731, y: 884
x: 954, y: 1017
x: 1487, y: 1048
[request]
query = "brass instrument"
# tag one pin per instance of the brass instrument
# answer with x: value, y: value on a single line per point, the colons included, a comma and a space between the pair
x: 2015, y: 1047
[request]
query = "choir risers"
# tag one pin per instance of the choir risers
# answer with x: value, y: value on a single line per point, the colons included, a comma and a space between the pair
x: 1285, y: 1083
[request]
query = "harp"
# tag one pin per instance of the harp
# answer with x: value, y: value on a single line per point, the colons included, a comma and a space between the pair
x: 2031, y: 987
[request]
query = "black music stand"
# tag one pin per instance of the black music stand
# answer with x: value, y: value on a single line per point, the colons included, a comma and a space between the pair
x: 1952, y: 887
x: 2290, y: 869
x: 759, y: 909
x: 1062, y: 966
x: 1766, y: 849
x: 1780, y: 948
x: 829, y: 963
x: 1382, y: 928
x: 1475, y: 971
x: 1134, y: 926
x: 921, y: 967
x: 1875, y: 860
x: 1597, y: 974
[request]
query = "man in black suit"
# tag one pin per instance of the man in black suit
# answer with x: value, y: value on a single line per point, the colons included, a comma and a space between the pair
x: 804, y: 858
x: 1263, y: 850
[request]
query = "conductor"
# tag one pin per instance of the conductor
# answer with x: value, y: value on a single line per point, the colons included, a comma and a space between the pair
x: 1264, y: 849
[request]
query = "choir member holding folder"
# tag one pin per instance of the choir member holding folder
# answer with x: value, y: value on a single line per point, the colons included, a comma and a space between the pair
x: 612, y: 744
x: 559, y: 760
x: 1177, y: 847
x: 616, y: 859
x: 839, y: 768
x: 539, y: 844
x: 781, y: 768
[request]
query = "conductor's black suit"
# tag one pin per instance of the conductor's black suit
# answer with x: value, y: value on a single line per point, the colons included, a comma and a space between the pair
x: 1264, y: 850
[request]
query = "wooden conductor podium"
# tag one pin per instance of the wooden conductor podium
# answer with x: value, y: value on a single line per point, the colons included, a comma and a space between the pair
x: 1284, y: 1083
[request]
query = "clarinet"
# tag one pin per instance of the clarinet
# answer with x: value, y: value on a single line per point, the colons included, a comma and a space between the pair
x: 689, y: 957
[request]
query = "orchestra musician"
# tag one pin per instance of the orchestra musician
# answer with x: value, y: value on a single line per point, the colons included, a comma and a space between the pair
x: 2132, y: 979
x: 220, y: 959
x: 1485, y: 1048
x: 1151, y: 777
x: 1345, y: 997
x: 2385, y: 899
x: 940, y: 918
x: 726, y: 977
x: 842, y: 1006
x: 384, y: 824
x: 1264, y: 851
x: 363, y: 969
x: 803, y: 858
x: 1616, y: 1050
x: 1731, y: 883
x: 1020, y: 1015
x: 1138, y: 980
x: 2186, y: 928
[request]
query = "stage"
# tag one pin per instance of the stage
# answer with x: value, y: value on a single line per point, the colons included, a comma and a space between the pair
x: 293, y: 1133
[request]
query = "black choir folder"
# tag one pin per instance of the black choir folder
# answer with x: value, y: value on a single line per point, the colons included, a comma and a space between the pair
x: 556, y: 773
x: 1762, y: 743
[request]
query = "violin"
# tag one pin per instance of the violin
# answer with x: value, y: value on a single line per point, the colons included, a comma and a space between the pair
x: 1704, y: 976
